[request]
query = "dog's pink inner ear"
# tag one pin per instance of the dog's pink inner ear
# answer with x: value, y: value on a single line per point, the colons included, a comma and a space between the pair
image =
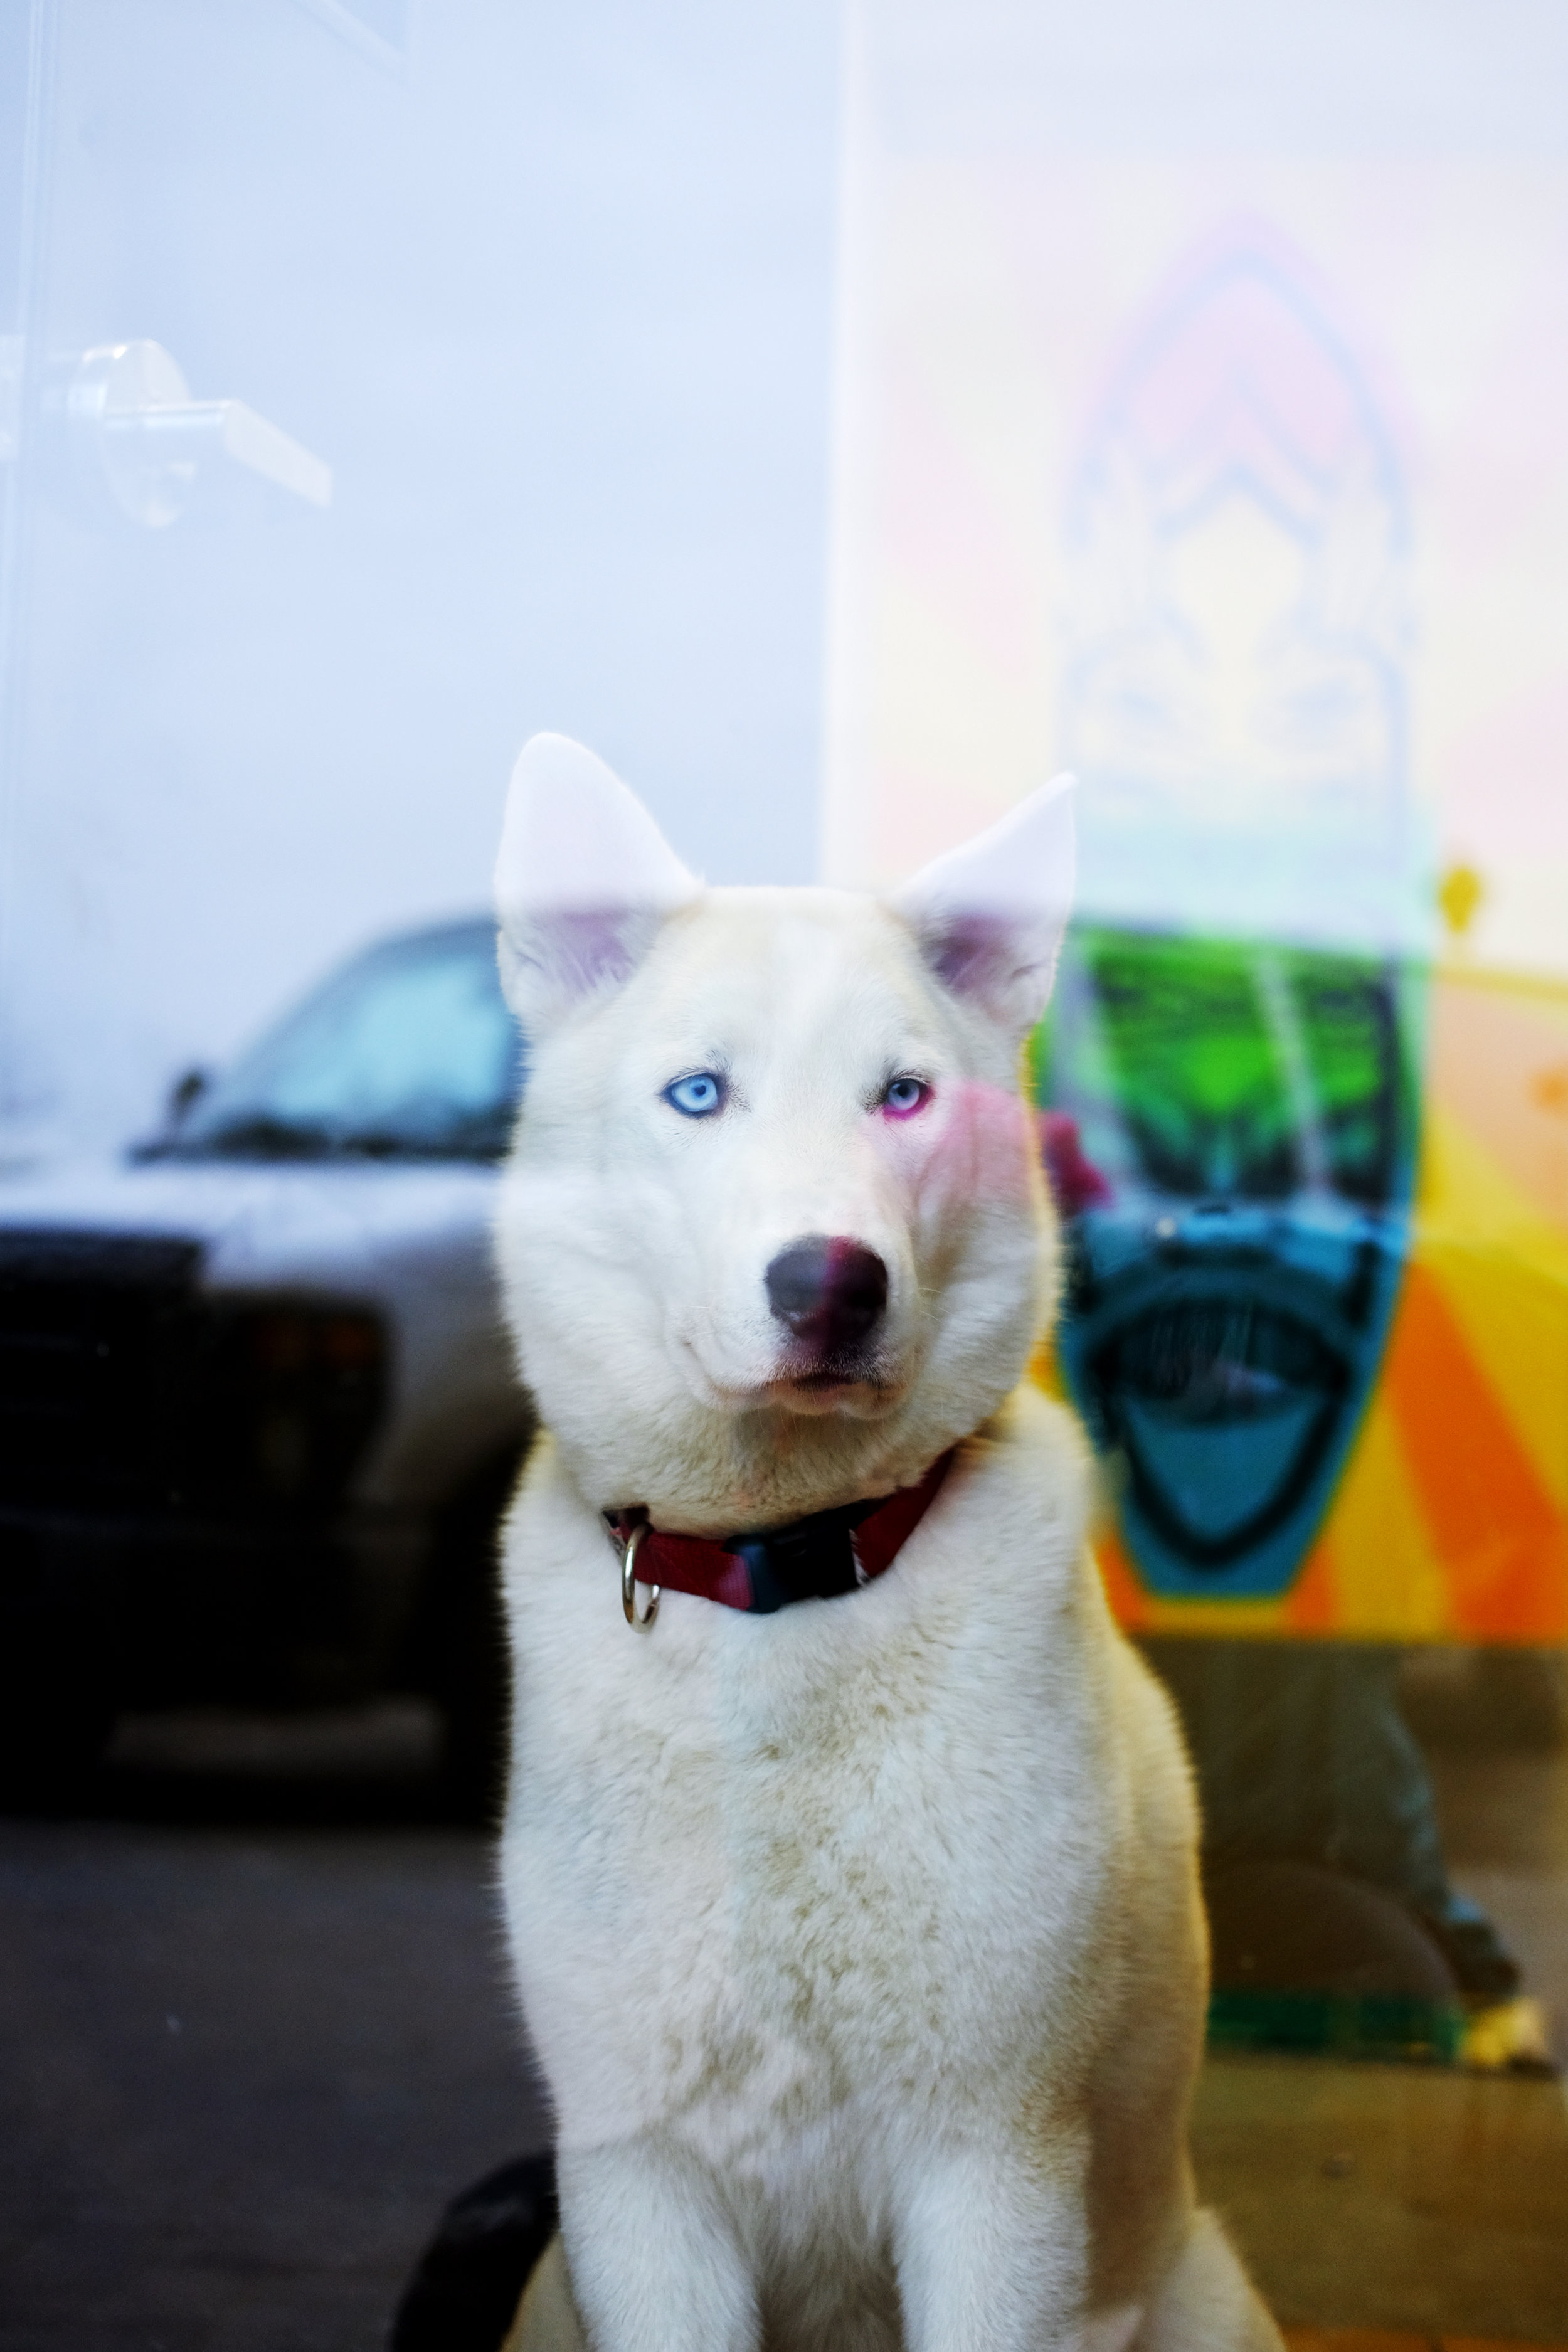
x: 990, y: 915
x: 973, y: 954
x: 590, y: 948
x: 1002, y: 963
x: 555, y: 959
x: 583, y: 880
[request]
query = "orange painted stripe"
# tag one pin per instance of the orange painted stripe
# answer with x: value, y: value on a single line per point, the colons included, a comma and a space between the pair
x: 1493, y: 1526
x: 1312, y: 1603
x: 1123, y: 1586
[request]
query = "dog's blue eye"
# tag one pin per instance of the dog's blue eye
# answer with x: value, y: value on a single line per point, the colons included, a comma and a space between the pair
x: 696, y: 1096
x: 904, y: 1095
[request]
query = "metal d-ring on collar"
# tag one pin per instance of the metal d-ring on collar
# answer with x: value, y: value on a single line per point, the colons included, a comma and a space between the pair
x: 629, y: 1550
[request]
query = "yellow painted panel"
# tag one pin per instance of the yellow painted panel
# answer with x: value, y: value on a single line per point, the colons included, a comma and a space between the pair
x: 1385, y: 1576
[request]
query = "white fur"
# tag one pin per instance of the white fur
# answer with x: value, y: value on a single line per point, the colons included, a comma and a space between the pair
x: 861, y: 1945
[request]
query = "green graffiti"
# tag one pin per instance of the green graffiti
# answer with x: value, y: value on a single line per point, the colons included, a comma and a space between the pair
x: 1233, y: 1070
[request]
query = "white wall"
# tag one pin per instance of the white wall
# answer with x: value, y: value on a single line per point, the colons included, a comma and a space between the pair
x: 556, y: 306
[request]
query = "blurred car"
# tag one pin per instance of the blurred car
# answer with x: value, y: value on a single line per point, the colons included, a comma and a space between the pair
x: 257, y: 1411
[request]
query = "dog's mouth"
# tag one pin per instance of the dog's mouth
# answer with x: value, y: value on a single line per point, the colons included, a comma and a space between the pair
x: 859, y: 1392
x: 862, y: 1384
x: 820, y: 1394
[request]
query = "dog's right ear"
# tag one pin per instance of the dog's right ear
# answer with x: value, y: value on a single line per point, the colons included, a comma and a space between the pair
x: 583, y: 880
x: 990, y: 917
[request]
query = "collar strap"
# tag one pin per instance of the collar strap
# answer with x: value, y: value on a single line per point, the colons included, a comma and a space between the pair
x: 811, y: 1559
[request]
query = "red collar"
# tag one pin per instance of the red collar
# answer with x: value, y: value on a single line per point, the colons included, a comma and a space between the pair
x: 811, y: 1559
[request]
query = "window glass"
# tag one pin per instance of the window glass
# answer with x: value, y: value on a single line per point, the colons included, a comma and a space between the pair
x: 410, y: 1052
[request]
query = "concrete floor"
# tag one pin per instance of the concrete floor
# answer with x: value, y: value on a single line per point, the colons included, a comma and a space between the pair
x: 241, y: 2071
x: 254, y: 2033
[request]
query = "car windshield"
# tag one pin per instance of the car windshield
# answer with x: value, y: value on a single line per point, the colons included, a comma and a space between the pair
x: 407, y: 1053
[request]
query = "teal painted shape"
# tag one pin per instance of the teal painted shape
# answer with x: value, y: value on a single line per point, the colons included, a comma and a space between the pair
x: 1252, y: 1112
x: 1210, y: 1474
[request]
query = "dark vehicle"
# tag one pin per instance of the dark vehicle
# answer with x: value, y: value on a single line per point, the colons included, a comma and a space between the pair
x: 257, y: 1411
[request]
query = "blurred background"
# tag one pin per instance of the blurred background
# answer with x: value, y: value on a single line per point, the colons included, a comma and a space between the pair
x: 839, y: 418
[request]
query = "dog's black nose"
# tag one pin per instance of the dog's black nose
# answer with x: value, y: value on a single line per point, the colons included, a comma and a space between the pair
x: 830, y: 1292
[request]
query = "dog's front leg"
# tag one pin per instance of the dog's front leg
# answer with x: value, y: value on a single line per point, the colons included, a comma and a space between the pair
x: 655, y: 2260
x: 992, y: 2251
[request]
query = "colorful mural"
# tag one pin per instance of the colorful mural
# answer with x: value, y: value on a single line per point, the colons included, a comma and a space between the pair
x: 1252, y: 1111
x: 1332, y: 1405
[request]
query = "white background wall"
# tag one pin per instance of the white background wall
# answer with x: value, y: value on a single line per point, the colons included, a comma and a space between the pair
x: 555, y: 306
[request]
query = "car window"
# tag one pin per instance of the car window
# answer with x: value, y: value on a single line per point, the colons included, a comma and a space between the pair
x: 408, y: 1052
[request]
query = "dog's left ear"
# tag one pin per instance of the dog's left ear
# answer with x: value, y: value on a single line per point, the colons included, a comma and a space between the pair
x: 990, y: 917
x: 583, y: 879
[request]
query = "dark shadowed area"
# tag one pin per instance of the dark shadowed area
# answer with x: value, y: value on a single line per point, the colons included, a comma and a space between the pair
x: 245, y: 2063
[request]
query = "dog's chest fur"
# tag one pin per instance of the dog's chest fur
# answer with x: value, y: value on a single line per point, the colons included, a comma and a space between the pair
x: 840, y: 1863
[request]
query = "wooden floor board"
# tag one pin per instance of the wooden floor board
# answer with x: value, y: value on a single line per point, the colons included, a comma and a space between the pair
x: 1413, y: 2206
x: 1372, y: 2339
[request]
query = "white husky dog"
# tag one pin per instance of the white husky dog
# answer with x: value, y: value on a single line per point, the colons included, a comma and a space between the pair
x: 861, y: 1944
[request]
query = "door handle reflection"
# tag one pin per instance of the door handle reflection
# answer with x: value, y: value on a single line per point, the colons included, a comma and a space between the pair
x: 133, y: 430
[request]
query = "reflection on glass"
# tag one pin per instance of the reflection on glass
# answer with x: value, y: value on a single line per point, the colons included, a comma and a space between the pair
x: 1235, y: 693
